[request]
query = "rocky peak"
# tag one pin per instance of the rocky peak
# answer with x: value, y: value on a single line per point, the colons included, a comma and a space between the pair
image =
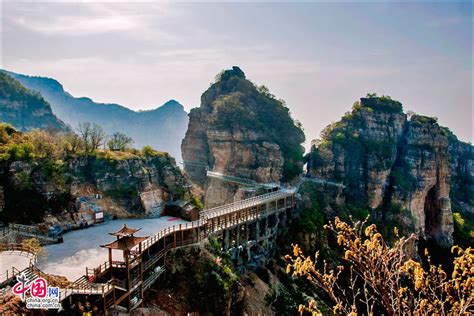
x: 169, y: 106
x: 234, y: 72
x: 399, y: 168
x: 240, y: 130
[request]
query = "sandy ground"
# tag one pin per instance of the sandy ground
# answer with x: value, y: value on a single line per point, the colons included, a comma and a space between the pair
x: 11, y: 259
x: 80, y: 248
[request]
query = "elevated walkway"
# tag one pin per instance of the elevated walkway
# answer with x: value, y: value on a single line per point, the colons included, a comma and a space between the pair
x: 244, y: 204
x: 147, y: 256
x: 239, y: 180
x: 324, y: 182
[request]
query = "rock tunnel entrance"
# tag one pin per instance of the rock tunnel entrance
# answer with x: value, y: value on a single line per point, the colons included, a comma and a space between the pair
x: 432, y: 215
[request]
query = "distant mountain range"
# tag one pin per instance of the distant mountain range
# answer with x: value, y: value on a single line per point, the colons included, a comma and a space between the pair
x: 163, y: 128
x: 25, y: 109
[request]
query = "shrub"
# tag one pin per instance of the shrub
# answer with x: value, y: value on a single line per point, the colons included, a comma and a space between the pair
x: 148, y: 151
x: 403, y: 180
x: 23, y: 181
x: 33, y: 245
x: 382, y: 104
x: 54, y: 171
x: 280, y: 300
x: 123, y: 192
x: 311, y: 220
x: 20, y: 151
x: 463, y: 229
x: 6, y: 132
x: 383, y: 280
x: 197, y: 202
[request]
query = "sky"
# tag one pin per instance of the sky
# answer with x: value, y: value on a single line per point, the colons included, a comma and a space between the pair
x: 319, y: 57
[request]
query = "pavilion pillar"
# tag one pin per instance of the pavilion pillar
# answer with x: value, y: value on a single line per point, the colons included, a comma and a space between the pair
x: 110, y: 263
x: 127, y: 265
x: 238, y: 234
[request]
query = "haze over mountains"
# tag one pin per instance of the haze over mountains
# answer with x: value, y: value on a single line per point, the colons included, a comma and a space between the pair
x: 163, y: 128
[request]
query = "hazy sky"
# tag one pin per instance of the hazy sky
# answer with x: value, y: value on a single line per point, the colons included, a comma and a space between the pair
x: 319, y: 57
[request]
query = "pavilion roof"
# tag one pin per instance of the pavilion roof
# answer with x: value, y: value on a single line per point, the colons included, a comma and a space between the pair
x: 125, y: 243
x: 125, y: 231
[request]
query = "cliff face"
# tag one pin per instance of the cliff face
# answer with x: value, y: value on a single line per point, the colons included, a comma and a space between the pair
x: 406, y: 170
x: 240, y: 130
x: 55, y: 187
x: 23, y: 108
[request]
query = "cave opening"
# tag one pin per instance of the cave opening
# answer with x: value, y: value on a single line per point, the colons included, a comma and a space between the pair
x: 432, y: 241
x: 432, y: 215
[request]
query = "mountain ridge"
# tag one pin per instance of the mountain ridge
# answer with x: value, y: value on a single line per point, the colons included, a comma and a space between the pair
x: 24, y: 108
x: 168, y: 121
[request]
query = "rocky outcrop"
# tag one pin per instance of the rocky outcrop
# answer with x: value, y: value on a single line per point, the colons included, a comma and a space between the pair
x: 152, y: 201
x: 425, y: 162
x: 405, y: 170
x: 240, y: 130
x: 462, y: 176
x: 125, y: 187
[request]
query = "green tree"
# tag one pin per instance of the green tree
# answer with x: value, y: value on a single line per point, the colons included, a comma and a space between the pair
x: 72, y: 143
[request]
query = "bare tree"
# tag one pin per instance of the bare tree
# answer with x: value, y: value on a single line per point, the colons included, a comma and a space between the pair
x: 84, y: 129
x: 119, y: 142
x: 97, y: 136
x: 92, y: 134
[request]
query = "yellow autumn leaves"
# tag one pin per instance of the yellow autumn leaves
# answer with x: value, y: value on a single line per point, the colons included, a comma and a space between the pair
x: 385, y: 279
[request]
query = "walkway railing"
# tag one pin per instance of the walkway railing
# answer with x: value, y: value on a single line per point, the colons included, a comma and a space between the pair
x: 97, y: 289
x: 168, y: 231
x: 24, y: 249
x: 26, y: 231
x: 324, y: 182
x: 17, y: 249
x: 239, y: 205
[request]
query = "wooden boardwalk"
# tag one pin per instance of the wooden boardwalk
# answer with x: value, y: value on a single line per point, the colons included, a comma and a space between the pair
x: 120, y: 284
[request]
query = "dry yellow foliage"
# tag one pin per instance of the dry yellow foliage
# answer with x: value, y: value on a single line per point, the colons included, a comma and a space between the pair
x: 384, y: 279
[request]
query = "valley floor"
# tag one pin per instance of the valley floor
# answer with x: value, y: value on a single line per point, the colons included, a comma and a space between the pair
x: 81, y: 248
